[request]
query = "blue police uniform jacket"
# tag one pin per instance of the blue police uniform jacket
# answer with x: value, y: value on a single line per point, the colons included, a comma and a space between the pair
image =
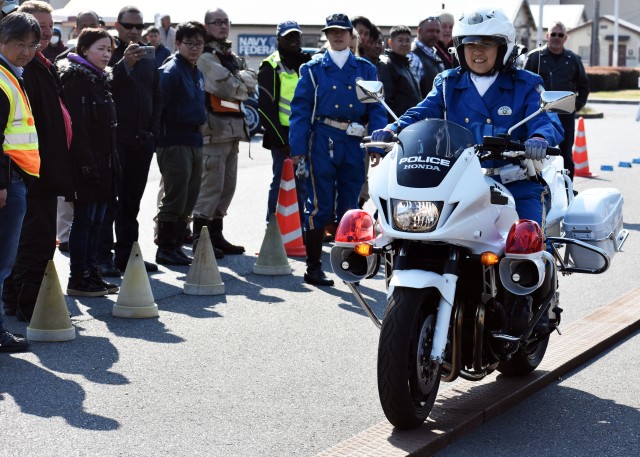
x: 335, y: 99
x: 512, y: 97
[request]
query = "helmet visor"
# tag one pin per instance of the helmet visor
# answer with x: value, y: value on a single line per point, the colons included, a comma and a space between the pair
x: 482, y: 40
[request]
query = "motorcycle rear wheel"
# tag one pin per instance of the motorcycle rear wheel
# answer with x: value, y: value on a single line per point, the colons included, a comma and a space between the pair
x: 407, y: 380
x: 524, y: 361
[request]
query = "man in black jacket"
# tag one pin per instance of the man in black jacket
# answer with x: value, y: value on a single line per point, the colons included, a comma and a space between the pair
x: 401, y: 87
x: 38, y: 237
x: 136, y: 91
x: 425, y: 62
x: 277, y: 79
x: 561, y: 69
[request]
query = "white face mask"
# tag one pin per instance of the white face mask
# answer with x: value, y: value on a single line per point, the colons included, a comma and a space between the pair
x: 54, y: 39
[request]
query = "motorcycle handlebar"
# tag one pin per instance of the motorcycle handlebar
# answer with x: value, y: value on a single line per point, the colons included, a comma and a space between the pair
x: 503, y: 147
x: 367, y: 139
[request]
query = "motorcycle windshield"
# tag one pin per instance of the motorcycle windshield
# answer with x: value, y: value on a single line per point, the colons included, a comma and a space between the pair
x: 428, y: 149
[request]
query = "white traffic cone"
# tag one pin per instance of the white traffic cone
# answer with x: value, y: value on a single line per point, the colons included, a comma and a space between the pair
x: 50, y: 320
x: 135, y: 298
x: 204, y: 277
x: 272, y: 259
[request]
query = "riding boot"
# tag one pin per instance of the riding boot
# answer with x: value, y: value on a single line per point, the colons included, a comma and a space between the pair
x: 166, y: 241
x: 198, y: 223
x: 314, y: 274
x: 218, y: 239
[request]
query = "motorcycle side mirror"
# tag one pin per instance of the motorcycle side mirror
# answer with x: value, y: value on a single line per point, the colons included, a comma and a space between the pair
x: 551, y: 101
x: 369, y: 91
x: 372, y: 92
x: 558, y: 101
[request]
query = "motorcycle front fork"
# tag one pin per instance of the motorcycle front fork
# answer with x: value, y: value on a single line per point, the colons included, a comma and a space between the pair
x: 445, y: 307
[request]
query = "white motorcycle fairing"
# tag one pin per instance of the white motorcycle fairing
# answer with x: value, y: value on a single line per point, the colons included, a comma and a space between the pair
x: 477, y: 212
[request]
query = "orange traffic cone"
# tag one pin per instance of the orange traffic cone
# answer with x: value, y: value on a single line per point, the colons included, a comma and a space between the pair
x: 580, y: 155
x: 288, y: 214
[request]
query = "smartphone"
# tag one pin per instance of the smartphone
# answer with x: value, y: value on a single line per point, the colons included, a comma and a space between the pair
x: 149, y: 52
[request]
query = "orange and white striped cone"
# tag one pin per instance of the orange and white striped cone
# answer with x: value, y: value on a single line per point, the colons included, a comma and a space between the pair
x: 288, y: 213
x: 580, y: 154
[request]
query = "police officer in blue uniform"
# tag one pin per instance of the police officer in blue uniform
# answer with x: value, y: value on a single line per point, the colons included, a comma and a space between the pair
x: 487, y: 95
x: 326, y: 127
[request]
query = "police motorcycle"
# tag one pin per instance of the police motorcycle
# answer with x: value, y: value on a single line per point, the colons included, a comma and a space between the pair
x: 470, y: 288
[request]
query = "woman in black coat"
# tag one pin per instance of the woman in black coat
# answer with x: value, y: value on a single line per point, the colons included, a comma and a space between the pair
x: 93, y: 155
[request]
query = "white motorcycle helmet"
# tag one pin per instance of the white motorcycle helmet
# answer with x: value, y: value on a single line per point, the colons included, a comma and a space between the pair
x: 486, y: 25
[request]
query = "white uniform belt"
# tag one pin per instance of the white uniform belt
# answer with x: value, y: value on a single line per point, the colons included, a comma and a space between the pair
x: 335, y: 124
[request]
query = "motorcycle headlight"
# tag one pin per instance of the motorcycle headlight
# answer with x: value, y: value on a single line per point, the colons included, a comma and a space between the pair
x: 415, y: 216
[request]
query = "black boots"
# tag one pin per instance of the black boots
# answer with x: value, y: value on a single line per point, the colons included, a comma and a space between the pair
x: 314, y: 274
x: 169, y: 249
x: 218, y: 240
x: 97, y: 278
x: 84, y: 286
x: 198, y: 223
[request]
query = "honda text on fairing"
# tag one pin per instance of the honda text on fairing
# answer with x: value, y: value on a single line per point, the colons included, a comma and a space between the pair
x: 471, y: 288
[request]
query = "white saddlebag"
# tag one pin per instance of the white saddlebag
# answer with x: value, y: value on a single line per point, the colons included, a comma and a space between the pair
x: 595, y: 216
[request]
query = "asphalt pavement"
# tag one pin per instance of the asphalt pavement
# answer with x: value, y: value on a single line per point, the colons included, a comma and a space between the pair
x: 275, y: 367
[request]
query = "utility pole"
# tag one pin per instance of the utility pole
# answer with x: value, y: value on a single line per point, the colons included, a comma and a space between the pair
x: 595, y: 32
x: 540, y: 26
x: 616, y: 12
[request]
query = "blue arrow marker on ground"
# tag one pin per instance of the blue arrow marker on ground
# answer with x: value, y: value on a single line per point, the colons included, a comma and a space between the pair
x: 637, y: 160
x: 606, y: 167
x: 625, y: 164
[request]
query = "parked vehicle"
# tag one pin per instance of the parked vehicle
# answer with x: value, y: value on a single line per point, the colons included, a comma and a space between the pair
x: 471, y: 288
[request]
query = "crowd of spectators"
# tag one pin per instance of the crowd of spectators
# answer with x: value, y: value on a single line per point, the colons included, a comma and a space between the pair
x: 104, y: 102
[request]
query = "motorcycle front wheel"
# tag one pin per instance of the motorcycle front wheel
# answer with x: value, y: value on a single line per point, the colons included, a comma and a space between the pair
x: 408, y: 380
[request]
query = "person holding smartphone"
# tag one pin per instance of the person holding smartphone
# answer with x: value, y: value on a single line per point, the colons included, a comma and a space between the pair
x: 136, y: 91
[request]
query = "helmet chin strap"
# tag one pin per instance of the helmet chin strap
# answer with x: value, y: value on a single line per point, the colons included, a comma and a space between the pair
x: 492, y: 72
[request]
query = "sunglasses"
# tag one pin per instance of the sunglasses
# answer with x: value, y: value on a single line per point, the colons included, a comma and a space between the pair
x: 559, y: 35
x: 429, y: 19
x: 129, y: 26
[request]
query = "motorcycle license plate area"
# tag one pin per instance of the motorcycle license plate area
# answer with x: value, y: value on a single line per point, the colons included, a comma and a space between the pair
x: 427, y: 151
x: 595, y: 217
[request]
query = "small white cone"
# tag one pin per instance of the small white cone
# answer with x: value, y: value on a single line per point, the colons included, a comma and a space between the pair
x: 204, y: 277
x: 50, y: 320
x: 135, y: 298
x: 272, y: 259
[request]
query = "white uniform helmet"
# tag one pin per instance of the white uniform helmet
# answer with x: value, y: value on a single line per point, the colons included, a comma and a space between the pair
x: 486, y: 25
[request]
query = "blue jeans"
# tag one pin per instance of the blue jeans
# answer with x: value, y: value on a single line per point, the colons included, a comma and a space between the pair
x: 11, y: 216
x: 279, y: 157
x: 84, y: 236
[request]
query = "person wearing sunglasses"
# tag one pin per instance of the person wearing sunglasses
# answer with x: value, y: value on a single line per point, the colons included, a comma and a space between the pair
x: 561, y: 69
x: 136, y: 92
x: 424, y: 60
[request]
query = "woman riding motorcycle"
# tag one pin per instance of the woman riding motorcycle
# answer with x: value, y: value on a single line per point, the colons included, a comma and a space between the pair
x: 488, y: 95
